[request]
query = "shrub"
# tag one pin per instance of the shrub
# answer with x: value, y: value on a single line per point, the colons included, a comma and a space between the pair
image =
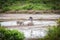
x: 6, y: 34
x: 58, y: 22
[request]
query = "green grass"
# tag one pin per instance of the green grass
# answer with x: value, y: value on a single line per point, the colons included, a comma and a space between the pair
x: 30, y: 5
x: 6, y: 34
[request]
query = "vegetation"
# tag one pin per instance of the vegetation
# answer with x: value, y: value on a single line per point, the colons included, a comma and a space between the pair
x: 6, y: 34
x: 6, y: 5
x: 58, y: 22
x: 53, y: 33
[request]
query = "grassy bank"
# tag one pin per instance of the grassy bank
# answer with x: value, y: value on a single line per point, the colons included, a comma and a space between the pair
x: 6, y: 5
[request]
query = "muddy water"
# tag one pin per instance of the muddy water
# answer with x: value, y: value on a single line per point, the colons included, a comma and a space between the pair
x: 35, y: 23
x: 34, y: 31
x: 30, y: 31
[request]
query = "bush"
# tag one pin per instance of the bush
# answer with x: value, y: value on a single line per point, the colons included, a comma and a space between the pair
x: 58, y: 22
x: 6, y: 34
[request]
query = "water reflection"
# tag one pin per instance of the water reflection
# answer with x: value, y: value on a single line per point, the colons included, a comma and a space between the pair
x: 41, y: 23
x: 32, y: 32
x: 8, y: 23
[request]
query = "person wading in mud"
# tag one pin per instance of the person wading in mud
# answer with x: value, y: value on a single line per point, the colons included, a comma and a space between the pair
x: 31, y: 19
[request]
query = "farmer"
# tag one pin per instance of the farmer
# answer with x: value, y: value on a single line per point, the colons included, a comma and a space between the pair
x: 31, y: 19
